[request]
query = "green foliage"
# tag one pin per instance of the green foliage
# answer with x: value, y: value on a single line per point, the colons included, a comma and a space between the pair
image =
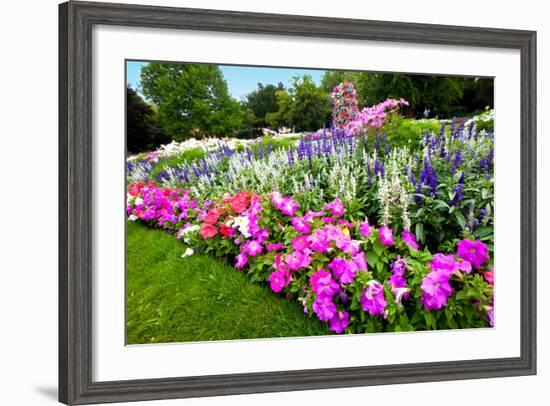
x: 311, y: 106
x: 199, y: 298
x: 142, y: 130
x: 405, y: 132
x: 283, y: 116
x: 262, y: 102
x: 443, y: 96
x: 192, y: 99
x: 185, y: 157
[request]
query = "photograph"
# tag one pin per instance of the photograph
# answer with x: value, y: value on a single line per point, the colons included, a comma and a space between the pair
x: 273, y: 202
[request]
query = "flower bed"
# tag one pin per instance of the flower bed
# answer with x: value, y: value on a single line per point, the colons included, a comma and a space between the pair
x: 365, y: 236
x: 355, y: 276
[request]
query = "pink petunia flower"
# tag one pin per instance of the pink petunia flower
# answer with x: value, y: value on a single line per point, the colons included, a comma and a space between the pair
x: 241, y: 260
x: 336, y: 207
x: 373, y: 300
x: 365, y: 228
x: 343, y: 269
x: 279, y: 279
x: 474, y: 252
x: 297, y: 260
x: 324, y: 307
x: 300, y: 225
x: 409, y: 239
x: 288, y: 206
x: 301, y: 243
x: 319, y: 241
x: 386, y: 235
x: 339, y: 322
x: 436, y: 289
x: 274, y: 247
x: 323, y: 284
x: 253, y: 248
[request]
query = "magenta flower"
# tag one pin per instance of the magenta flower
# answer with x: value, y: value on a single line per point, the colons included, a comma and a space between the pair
x: 386, y: 235
x: 336, y: 207
x: 339, y: 322
x: 343, y: 269
x: 345, y: 223
x: 301, y: 243
x: 300, y: 225
x: 373, y: 299
x: 319, y: 241
x: 397, y: 281
x: 253, y: 248
x: 464, y: 265
x: 261, y: 235
x: 277, y: 199
x: 323, y: 284
x: 333, y: 233
x: 274, y: 247
x: 365, y: 228
x: 436, y: 289
x: 360, y: 262
x: 297, y: 260
x: 348, y: 245
x: 475, y: 252
x: 241, y: 260
x: 491, y: 315
x: 324, y: 307
x: 279, y: 279
x: 409, y: 239
x: 288, y: 206
x: 445, y: 263
x: 310, y: 215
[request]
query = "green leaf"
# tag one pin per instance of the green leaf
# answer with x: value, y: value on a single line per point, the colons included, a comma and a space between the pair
x: 419, y: 231
x: 441, y: 204
x: 378, y: 247
x: 371, y: 258
x: 461, y: 220
x: 429, y: 319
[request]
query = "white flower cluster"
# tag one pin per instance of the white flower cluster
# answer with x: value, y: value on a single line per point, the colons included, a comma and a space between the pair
x: 392, y: 194
x: 207, y: 144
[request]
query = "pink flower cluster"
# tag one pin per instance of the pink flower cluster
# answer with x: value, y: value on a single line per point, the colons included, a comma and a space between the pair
x: 161, y: 207
x: 315, y: 251
x: 348, y: 117
x: 436, y: 285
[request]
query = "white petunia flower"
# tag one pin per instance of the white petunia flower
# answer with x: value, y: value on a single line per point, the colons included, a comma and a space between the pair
x: 188, y: 252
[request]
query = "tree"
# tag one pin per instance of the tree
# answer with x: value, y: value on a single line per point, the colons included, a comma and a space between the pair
x: 311, y: 107
x: 142, y: 132
x: 283, y: 116
x: 192, y: 99
x: 262, y: 102
x: 444, y: 96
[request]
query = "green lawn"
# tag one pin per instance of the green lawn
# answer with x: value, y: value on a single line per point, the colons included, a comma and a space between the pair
x: 174, y: 299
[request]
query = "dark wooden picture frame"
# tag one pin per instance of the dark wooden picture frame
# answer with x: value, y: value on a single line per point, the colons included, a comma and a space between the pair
x: 76, y: 20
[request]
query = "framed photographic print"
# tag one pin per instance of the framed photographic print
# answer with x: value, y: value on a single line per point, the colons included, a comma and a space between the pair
x: 260, y: 202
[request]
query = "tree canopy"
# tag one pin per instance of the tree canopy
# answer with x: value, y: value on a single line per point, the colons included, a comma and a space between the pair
x: 442, y: 96
x: 142, y: 131
x: 192, y: 99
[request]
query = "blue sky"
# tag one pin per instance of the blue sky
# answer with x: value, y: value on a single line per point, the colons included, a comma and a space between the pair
x: 241, y: 80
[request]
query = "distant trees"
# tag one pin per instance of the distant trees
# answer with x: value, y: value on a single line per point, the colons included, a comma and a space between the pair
x: 192, y: 99
x: 142, y: 131
x: 304, y: 106
x: 443, y: 96
x: 311, y: 105
x: 261, y: 102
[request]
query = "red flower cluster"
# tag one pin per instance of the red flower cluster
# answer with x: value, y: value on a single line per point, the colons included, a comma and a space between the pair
x: 136, y: 188
x: 231, y: 205
x: 240, y: 202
